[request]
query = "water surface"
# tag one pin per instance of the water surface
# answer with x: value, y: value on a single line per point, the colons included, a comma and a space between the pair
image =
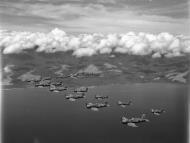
x: 33, y: 115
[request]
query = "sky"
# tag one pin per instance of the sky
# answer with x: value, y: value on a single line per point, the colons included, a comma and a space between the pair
x: 96, y: 16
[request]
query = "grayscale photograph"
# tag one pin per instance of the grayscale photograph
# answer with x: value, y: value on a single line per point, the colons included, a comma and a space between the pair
x: 94, y: 71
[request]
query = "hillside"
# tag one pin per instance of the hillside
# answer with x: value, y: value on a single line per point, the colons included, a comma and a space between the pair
x: 112, y: 68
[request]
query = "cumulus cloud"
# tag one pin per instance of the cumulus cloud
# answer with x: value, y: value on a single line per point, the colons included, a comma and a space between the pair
x: 163, y: 44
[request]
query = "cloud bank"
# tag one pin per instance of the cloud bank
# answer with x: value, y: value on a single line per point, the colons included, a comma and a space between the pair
x: 163, y: 44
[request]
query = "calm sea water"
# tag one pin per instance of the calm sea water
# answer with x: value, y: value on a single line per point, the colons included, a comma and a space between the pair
x: 34, y: 115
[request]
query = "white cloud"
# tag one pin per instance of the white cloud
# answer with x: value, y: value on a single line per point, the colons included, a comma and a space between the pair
x: 80, y: 52
x: 91, y: 44
x: 90, y: 17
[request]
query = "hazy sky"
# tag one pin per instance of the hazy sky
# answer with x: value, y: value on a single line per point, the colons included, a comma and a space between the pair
x: 100, y: 16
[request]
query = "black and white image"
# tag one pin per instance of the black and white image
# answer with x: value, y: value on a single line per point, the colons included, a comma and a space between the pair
x: 94, y: 71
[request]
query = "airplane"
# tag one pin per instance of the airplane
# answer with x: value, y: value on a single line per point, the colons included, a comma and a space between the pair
x: 97, y: 105
x: 73, y: 97
x: 81, y: 89
x: 122, y: 104
x: 133, y: 121
x: 157, y: 112
x: 99, y: 97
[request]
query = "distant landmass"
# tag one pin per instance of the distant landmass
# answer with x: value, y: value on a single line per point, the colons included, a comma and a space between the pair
x: 19, y: 69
